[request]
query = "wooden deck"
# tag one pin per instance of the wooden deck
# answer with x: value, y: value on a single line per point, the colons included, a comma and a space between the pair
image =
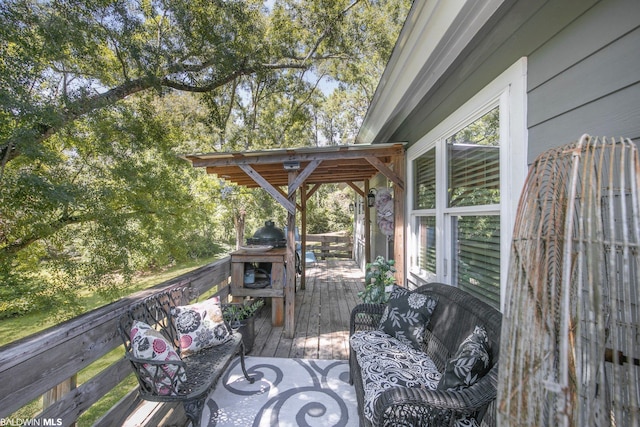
x: 321, y: 315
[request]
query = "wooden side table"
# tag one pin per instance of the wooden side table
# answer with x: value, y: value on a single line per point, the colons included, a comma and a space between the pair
x: 276, y: 257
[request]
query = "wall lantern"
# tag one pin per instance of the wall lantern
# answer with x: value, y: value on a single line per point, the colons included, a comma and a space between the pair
x: 352, y: 207
x: 371, y: 198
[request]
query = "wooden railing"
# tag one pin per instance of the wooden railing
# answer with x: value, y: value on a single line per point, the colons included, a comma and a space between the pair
x: 330, y: 245
x: 47, y: 363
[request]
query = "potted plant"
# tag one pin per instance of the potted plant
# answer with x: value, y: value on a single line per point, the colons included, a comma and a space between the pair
x: 378, y: 281
x: 241, y: 316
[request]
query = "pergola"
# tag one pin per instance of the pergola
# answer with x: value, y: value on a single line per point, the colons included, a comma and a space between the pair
x: 284, y: 173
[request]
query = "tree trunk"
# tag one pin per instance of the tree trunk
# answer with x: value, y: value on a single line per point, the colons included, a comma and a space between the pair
x: 239, y: 223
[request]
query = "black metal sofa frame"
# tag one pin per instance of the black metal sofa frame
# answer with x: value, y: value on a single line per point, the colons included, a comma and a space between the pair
x: 454, y: 318
x: 202, y: 369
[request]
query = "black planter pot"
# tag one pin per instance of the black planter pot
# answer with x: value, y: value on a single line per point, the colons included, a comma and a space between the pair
x: 246, y: 328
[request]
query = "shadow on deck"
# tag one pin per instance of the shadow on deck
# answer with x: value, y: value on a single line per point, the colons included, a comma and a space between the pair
x: 322, y: 313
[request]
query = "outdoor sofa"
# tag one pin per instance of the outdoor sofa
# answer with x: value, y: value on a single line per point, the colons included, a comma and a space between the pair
x: 427, y: 358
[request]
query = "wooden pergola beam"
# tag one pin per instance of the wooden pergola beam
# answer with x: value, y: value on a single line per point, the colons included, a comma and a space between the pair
x: 275, y: 193
x: 357, y: 189
x: 313, y: 189
x: 386, y: 171
x: 301, y: 155
x: 302, y: 176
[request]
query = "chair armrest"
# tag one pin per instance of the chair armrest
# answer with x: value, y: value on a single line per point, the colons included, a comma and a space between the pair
x: 435, y: 406
x: 365, y: 317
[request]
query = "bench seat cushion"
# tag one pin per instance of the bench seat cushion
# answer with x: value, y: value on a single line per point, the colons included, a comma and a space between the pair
x: 387, y: 362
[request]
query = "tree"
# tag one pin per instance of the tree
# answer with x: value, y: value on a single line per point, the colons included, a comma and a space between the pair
x: 99, y: 99
x: 367, y: 39
x: 79, y: 215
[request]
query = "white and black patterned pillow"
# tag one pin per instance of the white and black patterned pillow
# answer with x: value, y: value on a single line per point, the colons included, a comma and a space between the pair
x: 470, y: 363
x: 407, y: 315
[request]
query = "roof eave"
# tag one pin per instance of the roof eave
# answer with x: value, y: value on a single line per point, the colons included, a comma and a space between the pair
x: 433, y: 36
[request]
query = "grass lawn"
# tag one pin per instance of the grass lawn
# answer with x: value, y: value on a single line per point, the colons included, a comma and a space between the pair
x: 19, y: 327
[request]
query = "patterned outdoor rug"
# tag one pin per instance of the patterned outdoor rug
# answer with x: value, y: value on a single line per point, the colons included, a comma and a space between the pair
x: 287, y: 392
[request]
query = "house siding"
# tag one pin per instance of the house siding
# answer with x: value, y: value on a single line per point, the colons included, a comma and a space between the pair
x: 583, y: 61
x: 583, y: 74
x: 586, y: 79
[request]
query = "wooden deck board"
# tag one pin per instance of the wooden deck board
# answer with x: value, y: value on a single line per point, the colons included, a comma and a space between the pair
x: 321, y: 318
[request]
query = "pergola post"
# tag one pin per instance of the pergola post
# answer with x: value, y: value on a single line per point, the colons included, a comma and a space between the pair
x: 303, y: 237
x: 290, y: 286
x: 367, y: 224
x: 398, y: 220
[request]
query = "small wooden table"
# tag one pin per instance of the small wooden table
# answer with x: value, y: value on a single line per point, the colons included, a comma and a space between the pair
x: 276, y: 257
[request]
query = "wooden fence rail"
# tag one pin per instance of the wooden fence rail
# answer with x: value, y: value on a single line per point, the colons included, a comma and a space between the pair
x: 35, y: 365
x: 332, y: 245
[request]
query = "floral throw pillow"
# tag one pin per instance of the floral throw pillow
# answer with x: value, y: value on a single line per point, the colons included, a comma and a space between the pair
x: 147, y: 343
x: 200, y: 326
x: 407, y: 315
x: 470, y: 363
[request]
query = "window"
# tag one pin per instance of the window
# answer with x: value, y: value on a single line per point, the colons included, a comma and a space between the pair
x: 473, y: 162
x: 476, y: 245
x: 466, y: 176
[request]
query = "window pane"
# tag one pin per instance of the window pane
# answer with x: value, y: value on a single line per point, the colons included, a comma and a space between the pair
x: 477, y: 256
x: 473, y: 155
x: 425, y: 179
x: 427, y: 243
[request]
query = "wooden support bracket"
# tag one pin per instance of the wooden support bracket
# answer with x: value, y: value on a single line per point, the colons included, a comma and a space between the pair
x: 275, y: 193
x: 386, y: 171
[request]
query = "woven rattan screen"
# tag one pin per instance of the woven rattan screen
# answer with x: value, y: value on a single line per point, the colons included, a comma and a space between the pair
x: 571, y: 334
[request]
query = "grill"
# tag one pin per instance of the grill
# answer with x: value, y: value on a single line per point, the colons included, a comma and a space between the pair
x: 268, y: 235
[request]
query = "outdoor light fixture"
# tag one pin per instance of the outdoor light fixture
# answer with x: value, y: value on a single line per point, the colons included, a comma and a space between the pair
x: 352, y: 207
x: 291, y: 166
x: 371, y: 198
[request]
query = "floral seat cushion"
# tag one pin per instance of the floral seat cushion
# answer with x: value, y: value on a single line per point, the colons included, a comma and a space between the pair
x: 200, y: 325
x: 147, y: 343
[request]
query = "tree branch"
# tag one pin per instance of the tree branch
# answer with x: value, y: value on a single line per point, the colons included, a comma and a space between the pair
x: 10, y: 149
x: 83, y: 106
x: 229, y: 78
x: 57, y: 225
x: 330, y: 29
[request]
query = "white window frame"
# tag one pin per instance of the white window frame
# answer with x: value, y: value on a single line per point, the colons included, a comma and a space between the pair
x: 508, y: 92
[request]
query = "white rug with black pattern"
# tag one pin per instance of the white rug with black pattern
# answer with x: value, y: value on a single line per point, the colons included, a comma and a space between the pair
x: 287, y: 392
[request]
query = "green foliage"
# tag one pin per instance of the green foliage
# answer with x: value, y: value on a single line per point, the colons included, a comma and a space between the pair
x: 110, y: 199
x: 99, y: 100
x: 234, y: 313
x: 379, y: 275
x: 19, y: 327
x: 328, y: 211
